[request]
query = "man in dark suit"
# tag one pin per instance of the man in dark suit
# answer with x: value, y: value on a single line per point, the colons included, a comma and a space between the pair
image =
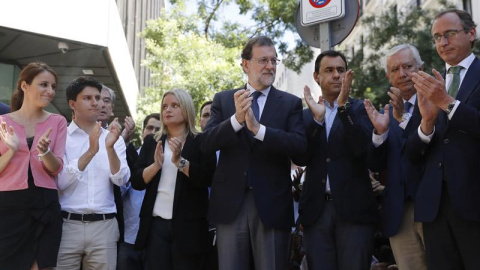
x: 4, y: 108
x: 448, y: 139
x: 251, y: 198
x: 399, y: 120
x: 337, y: 205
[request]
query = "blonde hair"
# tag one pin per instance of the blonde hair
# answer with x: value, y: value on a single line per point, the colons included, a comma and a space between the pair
x: 188, y: 112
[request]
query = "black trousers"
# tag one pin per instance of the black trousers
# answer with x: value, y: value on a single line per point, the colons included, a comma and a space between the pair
x: 451, y: 242
x: 162, y: 251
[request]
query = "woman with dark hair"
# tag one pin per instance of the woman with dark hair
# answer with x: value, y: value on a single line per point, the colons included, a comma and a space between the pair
x: 175, y: 174
x: 32, y: 144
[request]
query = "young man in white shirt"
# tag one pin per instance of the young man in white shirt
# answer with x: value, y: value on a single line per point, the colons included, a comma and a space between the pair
x: 94, y: 161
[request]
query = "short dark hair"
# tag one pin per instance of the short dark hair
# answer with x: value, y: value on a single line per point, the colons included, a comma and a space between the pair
x: 330, y: 53
x: 147, y: 118
x: 205, y: 104
x: 255, y: 41
x: 465, y: 19
x: 77, y: 86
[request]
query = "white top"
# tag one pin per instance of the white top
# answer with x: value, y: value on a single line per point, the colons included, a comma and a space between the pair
x: 90, y: 190
x: 166, y: 188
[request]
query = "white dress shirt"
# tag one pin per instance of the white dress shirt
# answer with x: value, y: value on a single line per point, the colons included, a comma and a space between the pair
x: 90, y: 190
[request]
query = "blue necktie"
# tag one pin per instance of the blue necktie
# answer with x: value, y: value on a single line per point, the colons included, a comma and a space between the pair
x: 255, y: 108
x: 407, y: 105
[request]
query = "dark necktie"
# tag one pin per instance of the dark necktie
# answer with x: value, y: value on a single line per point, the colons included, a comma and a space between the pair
x: 255, y: 108
x: 407, y: 105
x: 453, y: 89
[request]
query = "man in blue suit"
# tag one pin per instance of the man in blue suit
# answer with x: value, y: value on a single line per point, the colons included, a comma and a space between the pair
x: 399, y: 120
x: 257, y: 129
x: 337, y: 206
x: 4, y: 108
x: 448, y: 139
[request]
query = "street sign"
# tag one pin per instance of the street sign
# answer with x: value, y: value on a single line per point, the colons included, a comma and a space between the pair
x: 317, y: 11
x: 332, y: 32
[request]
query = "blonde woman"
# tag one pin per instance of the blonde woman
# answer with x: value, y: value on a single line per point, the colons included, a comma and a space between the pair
x: 32, y: 144
x: 176, y: 175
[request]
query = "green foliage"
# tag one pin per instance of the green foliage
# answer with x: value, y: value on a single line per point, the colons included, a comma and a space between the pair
x: 382, y: 32
x: 179, y: 56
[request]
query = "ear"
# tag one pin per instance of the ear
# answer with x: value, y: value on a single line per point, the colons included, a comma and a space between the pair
x: 23, y: 85
x: 420, y: 68
x: 387, y: 75
x: 245, y: 65
x: 315, y: 76
x: 71, y: 103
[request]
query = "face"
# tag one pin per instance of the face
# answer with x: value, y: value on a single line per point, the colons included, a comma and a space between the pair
x: 205, y: 116
x: 87, y: 106
x: 260, y: 76
x: 171, y: 111
x: 153, y: 125
x: 400, y: 67
x: 457, y: 47
x: 107, y: 108
x: 331, y: 72
x: 42, y: 89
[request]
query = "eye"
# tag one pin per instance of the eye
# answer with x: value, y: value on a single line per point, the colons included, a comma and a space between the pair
x: 54, y: 87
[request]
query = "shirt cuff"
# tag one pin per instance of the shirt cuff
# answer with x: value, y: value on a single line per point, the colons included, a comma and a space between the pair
x: 450, y: 115
x: 235, y: 124
x: 378, y: 140
x: 320, y: 123
x: 261, y: 133
x: 425, y: 138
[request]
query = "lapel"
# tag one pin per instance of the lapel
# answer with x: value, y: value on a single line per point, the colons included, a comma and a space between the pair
x: 470, y: 81
x: 274, y: 99
x: 336, y: 129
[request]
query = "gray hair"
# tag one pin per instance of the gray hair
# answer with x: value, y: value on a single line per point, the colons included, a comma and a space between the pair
x: 112, y: 93
x: 396, y: 49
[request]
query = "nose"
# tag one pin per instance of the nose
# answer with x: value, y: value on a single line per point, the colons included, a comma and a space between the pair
x: 269, y: 64
x: 402, y: 72
x: 443, y: 40
x: 336, y: 74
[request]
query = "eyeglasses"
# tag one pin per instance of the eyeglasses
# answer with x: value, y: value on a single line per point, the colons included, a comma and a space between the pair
x: 150, y: 128
x: 264, y: 61
x: 448, y: 34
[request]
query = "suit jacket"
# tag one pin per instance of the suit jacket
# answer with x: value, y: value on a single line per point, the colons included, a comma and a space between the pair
x: 344, y: 159
x: 190, y: 203
x: 452, y: 156
x: 402, y: 177
x: 265, y: 163
x: 4, y: 108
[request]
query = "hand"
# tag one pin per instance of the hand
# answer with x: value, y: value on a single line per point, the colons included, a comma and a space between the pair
x: 175, y: 145
x: 429, y: 114
x: 9, y: 137
x: 346, y: 86
x: 94, y: 137
x: 159, y: 156
x: 44, y: 142
x: 379, y: 121
x: 115, y: 129
x: 129, y: 129
x: 377, y: 187
x: 242, y: 103
x: 317, y: 108
x: 396, y: 101
x: 432, y: 88
x: 251, y: 121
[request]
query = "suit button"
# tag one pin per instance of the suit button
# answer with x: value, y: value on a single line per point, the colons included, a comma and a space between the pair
x: 324, y: 181
x: 327, y: 160
x: 445, y: 141
x: 439, y: 165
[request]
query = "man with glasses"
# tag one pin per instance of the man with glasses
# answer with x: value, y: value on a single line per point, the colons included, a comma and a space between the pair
x: 448, y: 141
x: 257, y: 129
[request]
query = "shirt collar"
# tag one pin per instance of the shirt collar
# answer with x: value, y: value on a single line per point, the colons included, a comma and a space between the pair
x: 465, y: 62
x: 264, y: 91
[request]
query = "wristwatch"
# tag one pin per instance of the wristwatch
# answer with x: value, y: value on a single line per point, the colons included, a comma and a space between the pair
x: 344, y: 107
x: 182, y: 164
x: 450, y: 107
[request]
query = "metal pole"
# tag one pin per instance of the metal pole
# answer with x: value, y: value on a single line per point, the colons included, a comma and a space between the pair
x: 324, y: 31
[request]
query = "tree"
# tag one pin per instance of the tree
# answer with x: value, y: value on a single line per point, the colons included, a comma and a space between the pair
x: 179, y: 56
